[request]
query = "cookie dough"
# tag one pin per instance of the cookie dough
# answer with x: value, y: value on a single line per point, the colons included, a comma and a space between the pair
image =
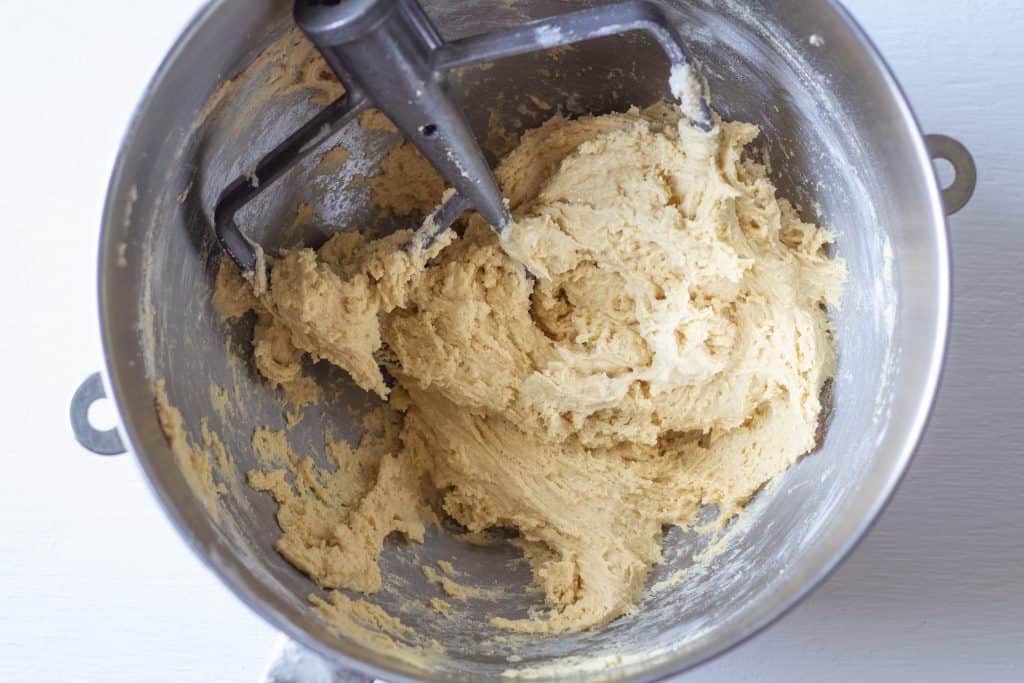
x: 649, y: 337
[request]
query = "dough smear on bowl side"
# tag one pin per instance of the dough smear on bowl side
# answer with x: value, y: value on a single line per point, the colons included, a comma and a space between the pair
x: 669, y: 354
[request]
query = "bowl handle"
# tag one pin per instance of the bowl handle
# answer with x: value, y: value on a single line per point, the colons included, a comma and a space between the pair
x: 292, y: 663
x: 959, y: 192
x: 101, y: 442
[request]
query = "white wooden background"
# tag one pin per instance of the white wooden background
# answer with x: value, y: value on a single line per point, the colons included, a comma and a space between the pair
x: 96, y: 586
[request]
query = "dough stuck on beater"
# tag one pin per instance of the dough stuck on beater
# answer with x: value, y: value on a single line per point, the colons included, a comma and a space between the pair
x: 669, y: 355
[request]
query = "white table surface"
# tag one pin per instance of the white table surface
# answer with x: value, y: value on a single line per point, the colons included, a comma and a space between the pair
x: 96, y: 586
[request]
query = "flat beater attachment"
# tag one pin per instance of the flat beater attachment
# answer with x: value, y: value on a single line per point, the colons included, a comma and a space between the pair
x: 389, y: 55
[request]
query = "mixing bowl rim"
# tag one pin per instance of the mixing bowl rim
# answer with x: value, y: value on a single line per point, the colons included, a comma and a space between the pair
x: 215, y: 552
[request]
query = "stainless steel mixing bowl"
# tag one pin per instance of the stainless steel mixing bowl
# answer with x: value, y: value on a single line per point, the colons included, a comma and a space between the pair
x: 843, y: 143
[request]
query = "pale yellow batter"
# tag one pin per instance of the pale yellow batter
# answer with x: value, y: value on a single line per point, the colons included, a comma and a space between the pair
x: 669, y: 354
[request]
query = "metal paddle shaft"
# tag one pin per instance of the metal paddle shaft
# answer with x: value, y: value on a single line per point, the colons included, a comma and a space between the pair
x: 388, y: 54
x: 385, y: 49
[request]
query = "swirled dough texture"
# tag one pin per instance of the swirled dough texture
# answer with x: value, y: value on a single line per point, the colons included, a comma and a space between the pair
x: 668, y: 353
